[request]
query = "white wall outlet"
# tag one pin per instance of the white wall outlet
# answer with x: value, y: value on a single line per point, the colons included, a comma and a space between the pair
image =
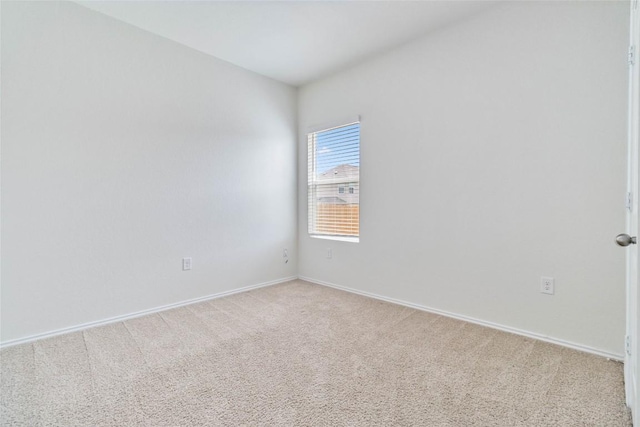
x: 186, y: 263
x: 547, y: 285
x: 285, y: 255
x: 329, y: 253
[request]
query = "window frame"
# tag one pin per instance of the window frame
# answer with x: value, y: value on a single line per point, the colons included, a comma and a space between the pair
x: 312, y: 184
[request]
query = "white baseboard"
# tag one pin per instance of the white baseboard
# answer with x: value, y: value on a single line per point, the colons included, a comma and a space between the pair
x: 504, y: 328
x: 558, y: 341
x: 115, y: 319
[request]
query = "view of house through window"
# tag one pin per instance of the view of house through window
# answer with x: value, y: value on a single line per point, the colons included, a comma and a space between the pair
x: 334, y: 181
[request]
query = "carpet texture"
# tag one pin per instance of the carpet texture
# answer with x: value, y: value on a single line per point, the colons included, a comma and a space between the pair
x: 306, y: 355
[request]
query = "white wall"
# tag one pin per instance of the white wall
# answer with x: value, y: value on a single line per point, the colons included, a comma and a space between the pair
x: 123, y: 152
x: 492, y: 153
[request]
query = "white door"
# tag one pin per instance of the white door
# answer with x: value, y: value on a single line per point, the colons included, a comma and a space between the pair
x: 632, y: 355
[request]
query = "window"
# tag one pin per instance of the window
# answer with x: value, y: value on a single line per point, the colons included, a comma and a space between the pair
x: 334, y: 182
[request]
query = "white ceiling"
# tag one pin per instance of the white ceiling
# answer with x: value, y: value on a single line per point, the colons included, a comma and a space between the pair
x: 293, y: 41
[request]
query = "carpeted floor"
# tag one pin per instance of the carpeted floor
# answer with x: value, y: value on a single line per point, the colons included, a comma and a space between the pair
x: 307, y: 355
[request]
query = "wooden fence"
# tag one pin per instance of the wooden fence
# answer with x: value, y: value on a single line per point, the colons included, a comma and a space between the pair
x: 338, y: 219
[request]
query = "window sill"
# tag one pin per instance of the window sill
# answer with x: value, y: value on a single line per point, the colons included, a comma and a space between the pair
x: 338, y: 238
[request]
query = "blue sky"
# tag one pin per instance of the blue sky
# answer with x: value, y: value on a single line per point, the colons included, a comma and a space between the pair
x: 337, y: 147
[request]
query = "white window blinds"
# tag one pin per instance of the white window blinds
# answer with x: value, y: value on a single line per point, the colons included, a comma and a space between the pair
x: 334, y: 181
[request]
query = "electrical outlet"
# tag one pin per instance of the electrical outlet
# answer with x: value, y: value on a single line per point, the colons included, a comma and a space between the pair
x: 186, y: 263
x: 329, y: 253
x: 285, y: 255
x: 547, y: 285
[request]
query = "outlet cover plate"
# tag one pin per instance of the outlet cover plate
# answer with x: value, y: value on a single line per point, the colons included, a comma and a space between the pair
x: 547, y: 285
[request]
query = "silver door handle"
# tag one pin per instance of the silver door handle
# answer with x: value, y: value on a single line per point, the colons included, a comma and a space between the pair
x: 625, y: 240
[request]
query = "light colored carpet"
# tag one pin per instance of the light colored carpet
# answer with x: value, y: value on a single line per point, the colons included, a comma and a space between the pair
x: 303, y: 354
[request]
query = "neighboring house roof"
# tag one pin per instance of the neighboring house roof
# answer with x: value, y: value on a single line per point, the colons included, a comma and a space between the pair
x: 342, y: 177
x: 341, y: 172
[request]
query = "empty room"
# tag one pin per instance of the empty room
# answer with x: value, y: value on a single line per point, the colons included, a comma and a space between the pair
x: 319, y: 213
